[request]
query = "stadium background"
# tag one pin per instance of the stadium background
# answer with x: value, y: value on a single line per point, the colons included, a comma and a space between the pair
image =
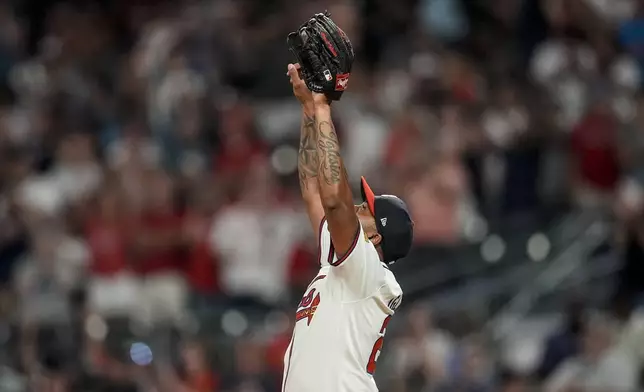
x: 151, y: 232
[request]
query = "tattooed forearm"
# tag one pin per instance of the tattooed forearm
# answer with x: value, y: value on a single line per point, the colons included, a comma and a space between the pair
x: 330, y: 167
x: 307, y: 162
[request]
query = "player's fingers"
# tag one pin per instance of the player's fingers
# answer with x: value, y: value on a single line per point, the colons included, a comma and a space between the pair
x: 294, y: 73
x: 289, y: 73
x: 293, y: 67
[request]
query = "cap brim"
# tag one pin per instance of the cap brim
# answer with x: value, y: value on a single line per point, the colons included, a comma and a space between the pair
x: 367, y: 195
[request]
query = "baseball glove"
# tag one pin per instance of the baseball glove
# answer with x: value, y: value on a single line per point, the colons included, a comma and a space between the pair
x: 325, y: 55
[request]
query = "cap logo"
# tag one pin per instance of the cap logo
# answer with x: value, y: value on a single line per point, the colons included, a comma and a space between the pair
x: 383, y: 221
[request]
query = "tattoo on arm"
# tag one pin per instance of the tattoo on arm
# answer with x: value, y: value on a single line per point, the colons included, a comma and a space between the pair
x: 331, y: 168
x: 307, y: 162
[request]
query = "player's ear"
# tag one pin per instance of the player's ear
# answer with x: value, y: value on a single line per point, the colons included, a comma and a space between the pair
x: 375, y: 238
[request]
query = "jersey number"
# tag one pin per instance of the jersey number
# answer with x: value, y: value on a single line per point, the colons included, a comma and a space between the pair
x: 377, y: 347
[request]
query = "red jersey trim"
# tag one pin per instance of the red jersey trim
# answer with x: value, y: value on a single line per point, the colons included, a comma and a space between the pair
x: 320, y: 241
x: 330, y: 256
x: 319, y: 277
x: 348, y: 252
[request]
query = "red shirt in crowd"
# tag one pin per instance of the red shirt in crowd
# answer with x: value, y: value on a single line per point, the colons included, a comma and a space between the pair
x: 200, y: 267
x: 161, y: 251
x: 594, y: 147
x: 107, y: 246
x: 303, y: 266
x: 239, y: 149
x: 403, y: 137
x: 238, y: 161
x: 203, y: 381
x: 275, y: 352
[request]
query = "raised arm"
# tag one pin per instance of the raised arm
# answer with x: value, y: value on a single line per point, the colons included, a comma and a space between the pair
x: 335, y: 192
x: 307, y: 160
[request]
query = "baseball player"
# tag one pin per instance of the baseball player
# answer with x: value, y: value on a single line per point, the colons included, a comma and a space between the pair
x: 342, y: 317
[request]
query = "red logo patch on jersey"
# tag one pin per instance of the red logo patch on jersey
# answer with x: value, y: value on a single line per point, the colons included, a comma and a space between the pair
x: 309, y: 303
x: 341, y: 81
x: 310, y: 307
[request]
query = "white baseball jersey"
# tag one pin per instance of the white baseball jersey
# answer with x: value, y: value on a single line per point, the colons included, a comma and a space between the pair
x: 341, y: 320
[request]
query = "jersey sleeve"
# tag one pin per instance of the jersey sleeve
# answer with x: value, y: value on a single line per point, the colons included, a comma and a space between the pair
x: 325, y: 248
x: 359, y: 268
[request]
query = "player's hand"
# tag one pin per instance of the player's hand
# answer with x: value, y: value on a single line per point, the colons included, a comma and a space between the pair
x: 301, y: 92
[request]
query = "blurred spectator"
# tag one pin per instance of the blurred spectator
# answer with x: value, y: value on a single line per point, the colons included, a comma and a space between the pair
x: 201, y: 265
x: 365, y: 143
x: 444, y: 19
x: 630, y: 340
x: 598, y: 366
x: 563, y: 66
x: 438, y: 195
x: 133, y: 152
x: 45, y: 281
x: 511, y: 382
x: 596, y: 165
x: 11, y: 42
x: 509, y: 127
x: 436, y: 199
x: 250, y: 373
x: 107, y: 364
x: 157, y: 244
x: 113, y: 285
x: 469, y: 369
x: 564, y: 343
x: 631, y: 37
x: 47, y: 275
x: 421, y: 357
x: 411, y: 132
x: 303, y: 266
x: 11, y: 380
x: 76, y: 172
x: 461, y: 79
x: 13, y: 239
x: 72, y: 179
x: 277, y: 347
x: 632, y: 139
x: 254, y: 237
x: 507, y: 119
x: 629, y: 210
x: 239, y: 147
x: 199, y: 377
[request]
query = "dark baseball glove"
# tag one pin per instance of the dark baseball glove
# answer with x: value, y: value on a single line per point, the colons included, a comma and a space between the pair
x: 325, y: 55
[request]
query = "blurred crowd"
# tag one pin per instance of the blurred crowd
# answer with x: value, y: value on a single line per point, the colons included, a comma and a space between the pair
x: 152, y: 237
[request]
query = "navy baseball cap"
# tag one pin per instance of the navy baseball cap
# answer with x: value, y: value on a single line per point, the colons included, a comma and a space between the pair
x: 393, y: 223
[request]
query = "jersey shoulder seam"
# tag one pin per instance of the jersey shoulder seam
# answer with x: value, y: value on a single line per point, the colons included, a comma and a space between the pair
x: 373, y: 294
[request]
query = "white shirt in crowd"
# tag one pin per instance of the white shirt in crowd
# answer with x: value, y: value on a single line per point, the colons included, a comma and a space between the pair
x: 613, y: 372
x: 254, y: 248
